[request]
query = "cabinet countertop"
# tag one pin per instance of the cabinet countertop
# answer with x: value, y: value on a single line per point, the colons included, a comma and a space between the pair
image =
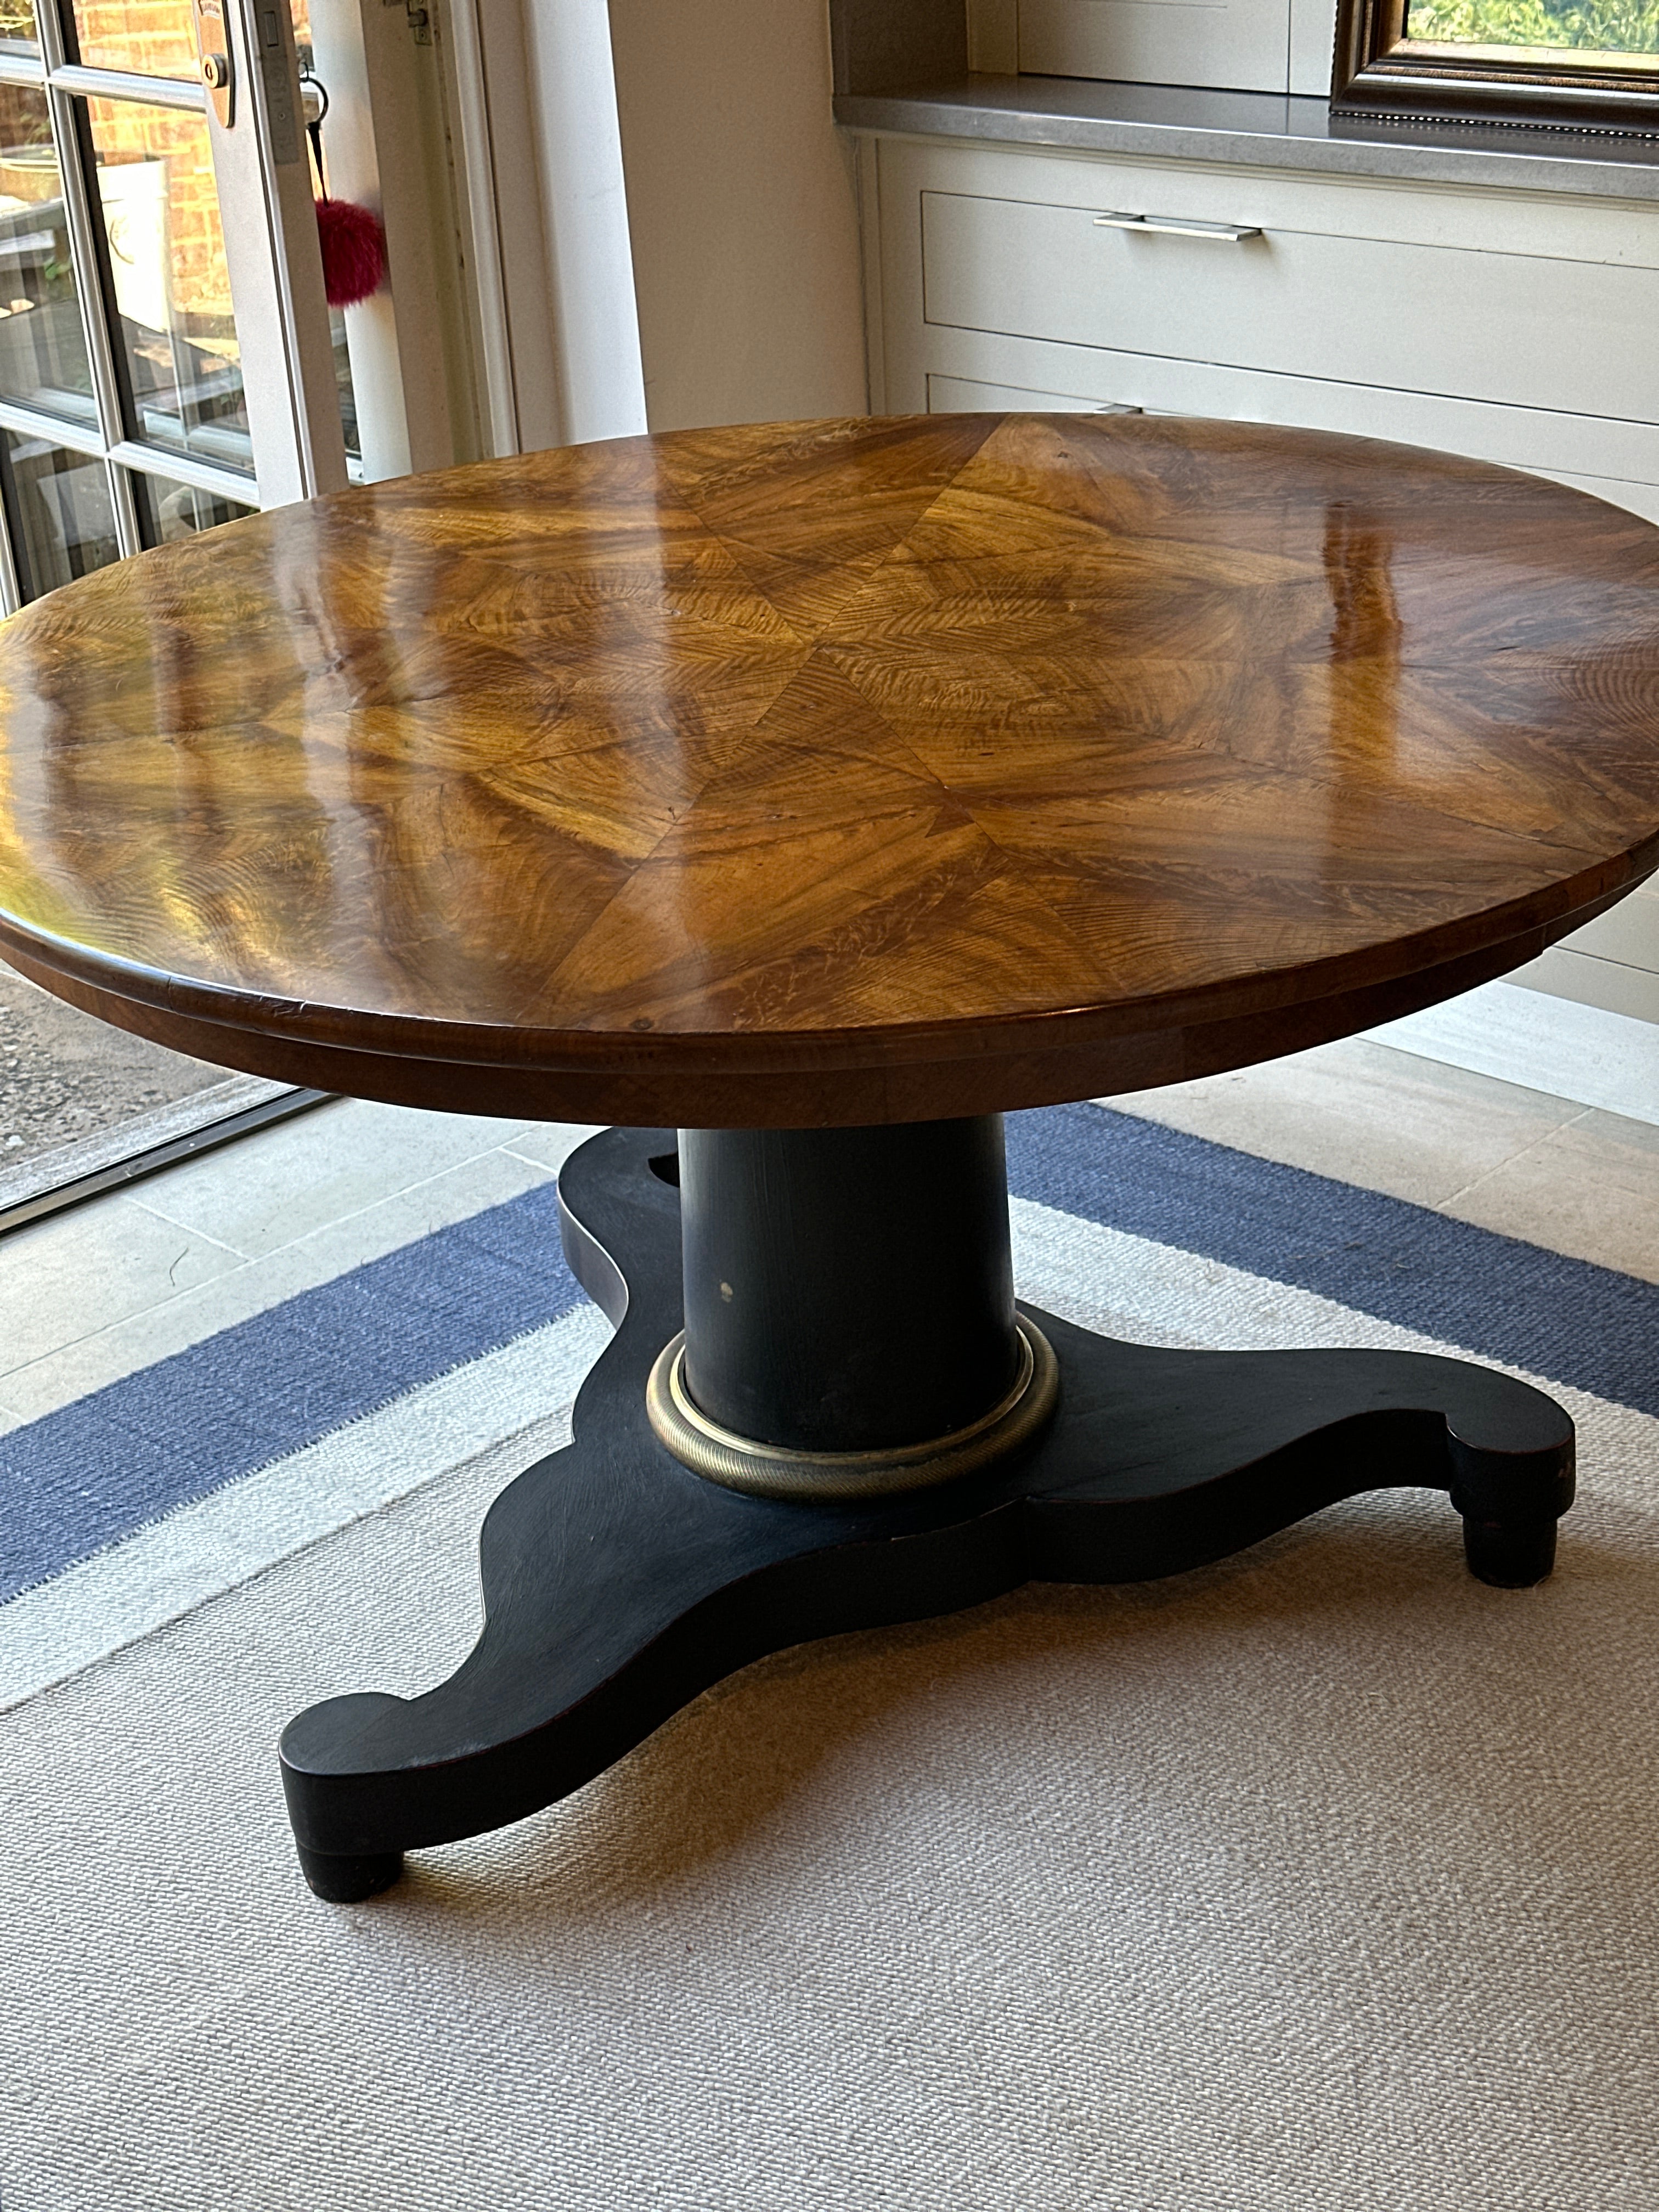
x: 1255, y: 130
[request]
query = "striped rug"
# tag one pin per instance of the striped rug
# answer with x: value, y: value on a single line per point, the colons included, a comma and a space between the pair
x: 1322, y: 1878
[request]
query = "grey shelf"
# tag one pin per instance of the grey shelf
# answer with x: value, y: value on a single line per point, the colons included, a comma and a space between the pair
x: 1255, y: 130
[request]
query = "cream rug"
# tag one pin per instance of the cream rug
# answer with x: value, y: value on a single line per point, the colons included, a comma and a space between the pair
x: 1324, y: 1878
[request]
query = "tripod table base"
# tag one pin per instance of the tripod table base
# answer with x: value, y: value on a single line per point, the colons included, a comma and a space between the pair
x: 619, y: 1584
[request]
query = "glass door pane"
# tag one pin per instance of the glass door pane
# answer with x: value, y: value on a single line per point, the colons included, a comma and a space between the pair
x: 43, y: 347
x: 64, y: 519
x: 174, y: 328
x: 65, y: 1079
x: 168, y: 510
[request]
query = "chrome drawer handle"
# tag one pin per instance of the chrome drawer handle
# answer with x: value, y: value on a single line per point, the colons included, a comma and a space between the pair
x: 1178, y: 227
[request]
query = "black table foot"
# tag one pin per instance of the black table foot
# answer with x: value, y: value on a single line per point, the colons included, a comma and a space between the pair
x: 345, y: 1879
x: 619, y: 1584
x: 1510, y: 1554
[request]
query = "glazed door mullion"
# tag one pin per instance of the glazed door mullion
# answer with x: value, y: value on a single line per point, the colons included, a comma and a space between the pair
x: 268, y: 214
x: 222, y: 483
x: 130, y: 538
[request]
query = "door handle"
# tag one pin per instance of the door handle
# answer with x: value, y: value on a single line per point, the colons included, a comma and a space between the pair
x: 1179, y: 227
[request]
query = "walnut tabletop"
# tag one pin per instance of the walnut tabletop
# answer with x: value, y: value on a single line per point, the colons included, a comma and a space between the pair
x: 833, y: 773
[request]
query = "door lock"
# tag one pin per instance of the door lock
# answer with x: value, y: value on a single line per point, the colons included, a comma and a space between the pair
x: 213, y: 38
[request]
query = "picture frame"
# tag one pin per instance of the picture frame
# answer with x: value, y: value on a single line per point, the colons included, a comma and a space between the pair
x: 1381, y: 70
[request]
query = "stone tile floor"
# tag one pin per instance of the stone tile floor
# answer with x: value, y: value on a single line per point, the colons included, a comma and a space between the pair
x: 1546, y: 1169
x: 63, y: 1074
x: 97, y: 1291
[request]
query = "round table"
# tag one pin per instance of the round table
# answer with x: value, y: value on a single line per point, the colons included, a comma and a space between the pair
x: 825, y: 790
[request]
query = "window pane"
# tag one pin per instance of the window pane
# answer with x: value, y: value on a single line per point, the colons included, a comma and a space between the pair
x: 1609, y: 26
x: 63, y: 524
x: 43, y: 352
x: 168, y: 509
x: 174, y: 327
x: 17, y: 25
x: 157, y: 38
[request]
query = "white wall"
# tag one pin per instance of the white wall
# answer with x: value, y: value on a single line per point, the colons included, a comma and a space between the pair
x: 741, y: 211
x: 542, y: 159
x: 584, y: 220
x: 691, y: 220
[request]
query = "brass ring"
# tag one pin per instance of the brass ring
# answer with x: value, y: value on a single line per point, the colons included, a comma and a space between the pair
x: 776, y: 1471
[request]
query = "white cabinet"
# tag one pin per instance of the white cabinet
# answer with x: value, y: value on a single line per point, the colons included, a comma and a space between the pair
x: 1250, y: 45
x: 1604, y: 459
x: 1298, y: 297
x: 1514, y: 327
x: 1237, y: 43
x: 970, y: 395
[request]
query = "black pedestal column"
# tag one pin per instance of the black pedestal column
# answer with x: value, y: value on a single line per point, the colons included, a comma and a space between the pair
x: 847, y: 1289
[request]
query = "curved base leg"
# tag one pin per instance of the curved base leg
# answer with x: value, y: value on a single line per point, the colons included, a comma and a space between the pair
x: 618, y: 1584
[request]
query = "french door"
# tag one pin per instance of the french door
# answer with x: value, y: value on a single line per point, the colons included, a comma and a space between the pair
x: 168, y: 362
x: 166, y: 358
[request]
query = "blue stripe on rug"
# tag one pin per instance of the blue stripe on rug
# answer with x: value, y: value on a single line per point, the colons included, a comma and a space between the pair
x: 80, y: 1479
x: 1565, y: 1319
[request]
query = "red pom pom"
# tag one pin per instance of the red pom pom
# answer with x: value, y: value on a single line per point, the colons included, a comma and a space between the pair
x: 353, y: 252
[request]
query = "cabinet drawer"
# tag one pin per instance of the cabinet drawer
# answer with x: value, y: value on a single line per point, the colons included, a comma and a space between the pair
x: 1510, y: 327
x: 1615, y: 461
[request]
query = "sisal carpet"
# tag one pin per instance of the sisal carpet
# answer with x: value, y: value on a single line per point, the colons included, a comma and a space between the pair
x: 1323, y: 1878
